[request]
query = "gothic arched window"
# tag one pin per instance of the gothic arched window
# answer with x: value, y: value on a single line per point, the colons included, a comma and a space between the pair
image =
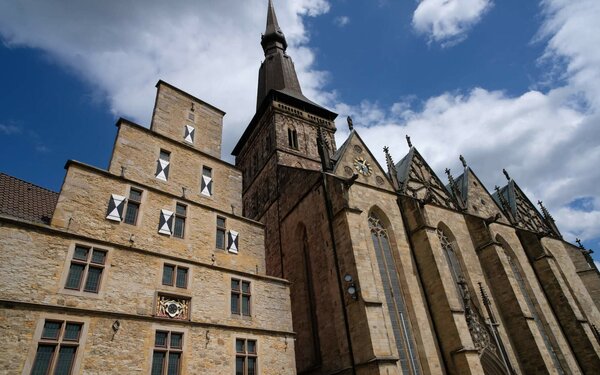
x: 393, y: 296
x: 453, y: 262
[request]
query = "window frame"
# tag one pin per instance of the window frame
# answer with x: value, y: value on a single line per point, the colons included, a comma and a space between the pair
x: 168, y: 349
x: 167, y: 157
x: 57, y: 343
x: 293, y: 138
x: 206, y: 168
x: 176, y: 269
x: 239, y: 295
x: 133, y: 202
x: 87, y: 264
x: 223, y: 230
x: 245, y: 354
x: 183, y: 217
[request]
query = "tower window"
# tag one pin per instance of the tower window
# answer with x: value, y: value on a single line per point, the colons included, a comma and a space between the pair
x: 240, y: 297
x: 162, y: 165
x: 180, y: 215
x: 175, y: 275
x: 221, y: 228
x: 293, y: 138
x: 206, y: 185
x: 133, y: 206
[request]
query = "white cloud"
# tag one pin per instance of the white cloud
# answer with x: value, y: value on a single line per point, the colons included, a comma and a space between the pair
x: 122, y: 48
x: 548, y: 141
x: 341, y: 21
x: 448, y: 21
x: 9, y: 129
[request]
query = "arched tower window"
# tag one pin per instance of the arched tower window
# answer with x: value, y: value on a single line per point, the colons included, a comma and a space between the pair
x: 521, y: 282
x: 393, y: 296
x: 453, y: 262
x: 293, y: 138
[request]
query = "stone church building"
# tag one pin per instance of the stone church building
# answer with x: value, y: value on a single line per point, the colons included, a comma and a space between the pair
x: 302, y: 258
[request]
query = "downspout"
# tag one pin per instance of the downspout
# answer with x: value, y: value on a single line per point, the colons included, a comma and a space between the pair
x: 420, y: 277
x: 330, y: 215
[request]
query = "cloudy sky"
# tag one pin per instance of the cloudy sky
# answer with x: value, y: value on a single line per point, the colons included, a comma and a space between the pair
x: 509, y: 84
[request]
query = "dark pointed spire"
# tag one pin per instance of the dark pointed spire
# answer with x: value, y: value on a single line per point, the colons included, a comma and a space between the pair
x: 273, y: 36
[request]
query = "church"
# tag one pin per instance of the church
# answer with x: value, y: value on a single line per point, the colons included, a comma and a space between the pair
x: 302, y: 258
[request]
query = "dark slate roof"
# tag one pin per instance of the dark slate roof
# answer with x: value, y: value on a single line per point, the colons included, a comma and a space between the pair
x: 25, y: 200
x: 403, y: 166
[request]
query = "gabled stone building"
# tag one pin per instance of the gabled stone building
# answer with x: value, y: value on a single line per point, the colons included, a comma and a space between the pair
x: 302, y: 258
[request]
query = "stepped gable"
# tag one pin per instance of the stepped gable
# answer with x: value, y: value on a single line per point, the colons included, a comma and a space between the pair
x: 24, y: 200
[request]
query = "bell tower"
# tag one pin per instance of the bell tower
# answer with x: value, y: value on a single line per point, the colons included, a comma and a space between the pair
x: 283, y: 132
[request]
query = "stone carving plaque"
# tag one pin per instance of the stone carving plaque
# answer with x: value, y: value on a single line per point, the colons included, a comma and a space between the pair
x: 173, y: 307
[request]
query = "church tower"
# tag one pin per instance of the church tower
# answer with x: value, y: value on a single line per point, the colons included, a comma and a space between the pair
x: 283, y: 132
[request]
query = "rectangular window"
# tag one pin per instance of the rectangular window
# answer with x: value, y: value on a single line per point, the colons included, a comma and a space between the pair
x: 57, y: 348
x: 240, y: 297
x: 175, y: 275
x: 180, y: 214
x: 168, y: 349
x: 293, y: 138
x: 133, y: 206
x: 221, y: 232
x: 86, y: 269
x: 206, y: 185
x: 246, y: 357
x: 162, y: 165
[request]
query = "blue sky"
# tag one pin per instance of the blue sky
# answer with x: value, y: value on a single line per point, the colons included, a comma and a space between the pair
x: 509, y: 84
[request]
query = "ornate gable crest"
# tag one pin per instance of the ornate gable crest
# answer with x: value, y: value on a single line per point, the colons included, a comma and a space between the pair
x: 417, y: 179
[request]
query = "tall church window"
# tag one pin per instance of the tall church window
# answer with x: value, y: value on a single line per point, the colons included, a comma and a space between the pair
x: 293, y: 138
x: 452, y: 258
x: 515, y: 268
x: 393, y: 296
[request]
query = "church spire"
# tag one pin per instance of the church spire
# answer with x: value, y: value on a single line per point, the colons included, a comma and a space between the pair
x: 277, y: 72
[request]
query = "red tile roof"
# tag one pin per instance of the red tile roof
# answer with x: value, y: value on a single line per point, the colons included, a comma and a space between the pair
x: 25, y: 200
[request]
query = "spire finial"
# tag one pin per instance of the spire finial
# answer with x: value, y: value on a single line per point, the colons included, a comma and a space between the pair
x: 545, y: 211
x: 273, y: 36
x: 580, y: 244
x: 350, y: 123
x: 463, y: 161
x: 408, y: 141
x: 506, y: 174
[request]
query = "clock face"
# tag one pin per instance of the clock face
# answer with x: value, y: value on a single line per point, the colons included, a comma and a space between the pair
x: 362, y: 166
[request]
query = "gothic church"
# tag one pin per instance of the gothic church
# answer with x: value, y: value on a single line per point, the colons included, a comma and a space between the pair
x: 302, y: 258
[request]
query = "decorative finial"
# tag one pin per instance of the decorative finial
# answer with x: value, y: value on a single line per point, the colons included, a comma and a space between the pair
x: 545, y: 211
x: 484, y: 295
x: 350, y: 123
x: 408, y: 141
x: 580, y: 244
x: 463, y: 161
x: 506, y: 174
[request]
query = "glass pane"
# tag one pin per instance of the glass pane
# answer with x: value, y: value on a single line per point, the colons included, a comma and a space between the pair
x: 74, y: 278
x: 239, y: 346
x: 182, y: 277
x: 43, y: 357
x: 239, y: 366
x: 251, y: 346
x: 220, y: 222
x: 235, y: 284
x: 179, y: 227
x: 251, y: 366
x: 160, y: 340
x: 246, y: 287
x: 66, y: 355
x: 220, y: 238
x: 158, y: 362
x: 174, y: 363
x: 235, y: 307
x: 131, y: 213
x: 98, y: 256
x: 72, y: 331
x: 206, y: 172
x: 51, y: 330
x: 135, y: 195
x: 165, y: 155
x: 176, y: 340
x: 81, y: 253
x: 246, y: 305
x: 168, y: 274
x: 93, y: 280
x: 180, y: 209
